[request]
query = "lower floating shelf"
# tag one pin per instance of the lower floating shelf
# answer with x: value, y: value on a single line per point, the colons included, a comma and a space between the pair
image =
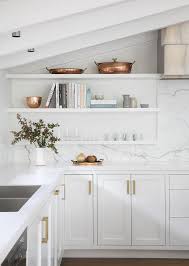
x: 84, y: 110
x: 106, y: 142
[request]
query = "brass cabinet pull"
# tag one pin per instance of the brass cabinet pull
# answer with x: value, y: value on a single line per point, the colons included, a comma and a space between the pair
x: 134, y: 187
x: 45, y: 220
x: 128, y: 186
x: 56, y: 192
x: 90, y: 187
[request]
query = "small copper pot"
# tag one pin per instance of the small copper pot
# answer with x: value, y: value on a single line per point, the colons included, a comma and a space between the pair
x: 33, y: 101
x: 114, y: 67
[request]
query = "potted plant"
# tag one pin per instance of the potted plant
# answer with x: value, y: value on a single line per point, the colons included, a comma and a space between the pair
x: 39, y: 134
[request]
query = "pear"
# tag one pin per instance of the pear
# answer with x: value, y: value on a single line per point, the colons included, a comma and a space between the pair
x: 80, y: 158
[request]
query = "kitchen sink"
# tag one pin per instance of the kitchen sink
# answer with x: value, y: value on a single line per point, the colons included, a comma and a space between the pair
x: 12, y: 198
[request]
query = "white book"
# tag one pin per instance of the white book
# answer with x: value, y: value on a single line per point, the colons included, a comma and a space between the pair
x: 84, y: 95
x: 73, y: 96
x: 81, y: 96
x: 78, y: 96
x: 50, y: 95
x: 57, y: 95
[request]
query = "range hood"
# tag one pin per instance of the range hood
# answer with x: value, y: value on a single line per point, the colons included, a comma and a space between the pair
x: 175, y: 40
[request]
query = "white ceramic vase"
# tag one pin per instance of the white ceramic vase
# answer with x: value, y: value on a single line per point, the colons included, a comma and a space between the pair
x: 40, y: 156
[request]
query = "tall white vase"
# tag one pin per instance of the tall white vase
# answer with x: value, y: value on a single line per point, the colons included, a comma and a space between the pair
x: 40, y: 157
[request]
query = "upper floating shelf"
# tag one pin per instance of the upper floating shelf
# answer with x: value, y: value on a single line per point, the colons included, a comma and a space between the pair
x: 83, y: 76
x: 83, y: 110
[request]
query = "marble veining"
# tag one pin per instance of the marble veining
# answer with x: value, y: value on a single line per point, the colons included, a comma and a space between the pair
x: 172, y: 131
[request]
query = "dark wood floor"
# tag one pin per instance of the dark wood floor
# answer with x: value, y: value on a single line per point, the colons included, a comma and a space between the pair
x: 125, y: 262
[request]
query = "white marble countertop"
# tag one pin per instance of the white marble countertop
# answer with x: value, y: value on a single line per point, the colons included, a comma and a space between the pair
x: 130, y: 166
x: 13, y: 224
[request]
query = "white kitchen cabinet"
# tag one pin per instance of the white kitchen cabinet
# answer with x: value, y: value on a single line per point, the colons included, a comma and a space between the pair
x: 114, y: 210
x: 179, y: 235
x: 148, y: 210
x: 47, y: 234
x: 134, y: 205
x: 42, y: 239
x: 78, y: 210
x: 179, y: 210
x: 34, y: 243
x: 58, y: 226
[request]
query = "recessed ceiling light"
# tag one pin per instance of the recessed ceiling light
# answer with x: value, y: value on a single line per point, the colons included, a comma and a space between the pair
x: 16, y: 34
x: 31, y: 50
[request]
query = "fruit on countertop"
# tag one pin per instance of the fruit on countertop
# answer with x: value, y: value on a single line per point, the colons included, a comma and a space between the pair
x: 91, y: 159
x: 81, y: 158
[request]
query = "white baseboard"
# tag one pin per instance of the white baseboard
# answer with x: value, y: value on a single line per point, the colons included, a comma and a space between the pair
x: 126, y: 254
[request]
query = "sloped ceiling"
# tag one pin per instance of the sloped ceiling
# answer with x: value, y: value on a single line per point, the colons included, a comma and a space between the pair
x: 59, y: 26
x: 140, y: 48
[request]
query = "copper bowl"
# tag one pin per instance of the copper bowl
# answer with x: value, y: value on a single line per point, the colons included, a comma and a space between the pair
x: 33, y: 101
x: 114, y: 67
x: 64, y: 70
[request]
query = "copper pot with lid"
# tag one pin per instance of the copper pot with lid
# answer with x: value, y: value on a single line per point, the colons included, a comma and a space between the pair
x: 114, y: 67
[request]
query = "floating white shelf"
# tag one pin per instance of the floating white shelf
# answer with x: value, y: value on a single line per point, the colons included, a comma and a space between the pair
x: 104, y: 142
x: 98, y: 142
x: 84, y: 110
x: 84, y: 76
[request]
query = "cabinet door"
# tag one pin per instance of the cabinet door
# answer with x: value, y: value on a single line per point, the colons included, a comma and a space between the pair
x: 78, y: 210
x: 148, y: 210
x: 34, y: 243
x: 47, y: 234
x: 58, y: 226
x: 114, y: 210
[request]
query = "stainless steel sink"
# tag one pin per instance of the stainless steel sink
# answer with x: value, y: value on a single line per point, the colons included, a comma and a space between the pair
x: 12, y: 198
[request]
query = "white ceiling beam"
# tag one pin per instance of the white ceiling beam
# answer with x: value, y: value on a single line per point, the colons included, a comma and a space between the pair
x: 96, y: 37
x: 45, y: 33
x: 21, y: 13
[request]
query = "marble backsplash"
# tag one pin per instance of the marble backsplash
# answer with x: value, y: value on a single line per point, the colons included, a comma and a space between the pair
x: 173, y: 133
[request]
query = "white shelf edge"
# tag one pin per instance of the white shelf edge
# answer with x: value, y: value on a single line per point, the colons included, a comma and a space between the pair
x: 98, y: 142
x: 84, y: 76
x: 84, y: 110
x: 102, y: 142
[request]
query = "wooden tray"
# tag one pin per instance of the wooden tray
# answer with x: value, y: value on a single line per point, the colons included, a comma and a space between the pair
x: 99, y: 162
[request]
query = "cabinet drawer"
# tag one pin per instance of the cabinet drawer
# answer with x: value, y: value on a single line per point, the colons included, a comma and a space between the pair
x: 179, y: 203
x: 179, y: 231
x: 179, y: 182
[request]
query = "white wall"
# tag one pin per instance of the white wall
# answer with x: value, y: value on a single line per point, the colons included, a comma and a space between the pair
x: 142, y: 48
x: 3, y: 117
x: 173, y: 99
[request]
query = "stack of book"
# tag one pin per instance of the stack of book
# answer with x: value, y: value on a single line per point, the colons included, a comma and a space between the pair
x: 68, y: 95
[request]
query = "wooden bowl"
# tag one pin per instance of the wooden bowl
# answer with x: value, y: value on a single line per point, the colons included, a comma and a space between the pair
x: 33, y: 101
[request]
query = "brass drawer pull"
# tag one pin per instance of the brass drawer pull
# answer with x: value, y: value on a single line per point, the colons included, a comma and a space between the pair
x: 45, y: 220
x: 128, y: 186
x: 90, y: 187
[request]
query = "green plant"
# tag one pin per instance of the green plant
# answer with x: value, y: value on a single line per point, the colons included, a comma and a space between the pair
x: 38, y: 133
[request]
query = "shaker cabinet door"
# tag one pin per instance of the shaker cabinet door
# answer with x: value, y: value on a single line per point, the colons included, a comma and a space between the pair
x: 78, y: 210
x: 148, y: 210
x: 114, y: 210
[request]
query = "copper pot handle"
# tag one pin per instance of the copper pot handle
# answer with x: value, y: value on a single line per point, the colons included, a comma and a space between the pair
x: 84, y: 70
x: 47, y: 69
x: 133, y: 63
